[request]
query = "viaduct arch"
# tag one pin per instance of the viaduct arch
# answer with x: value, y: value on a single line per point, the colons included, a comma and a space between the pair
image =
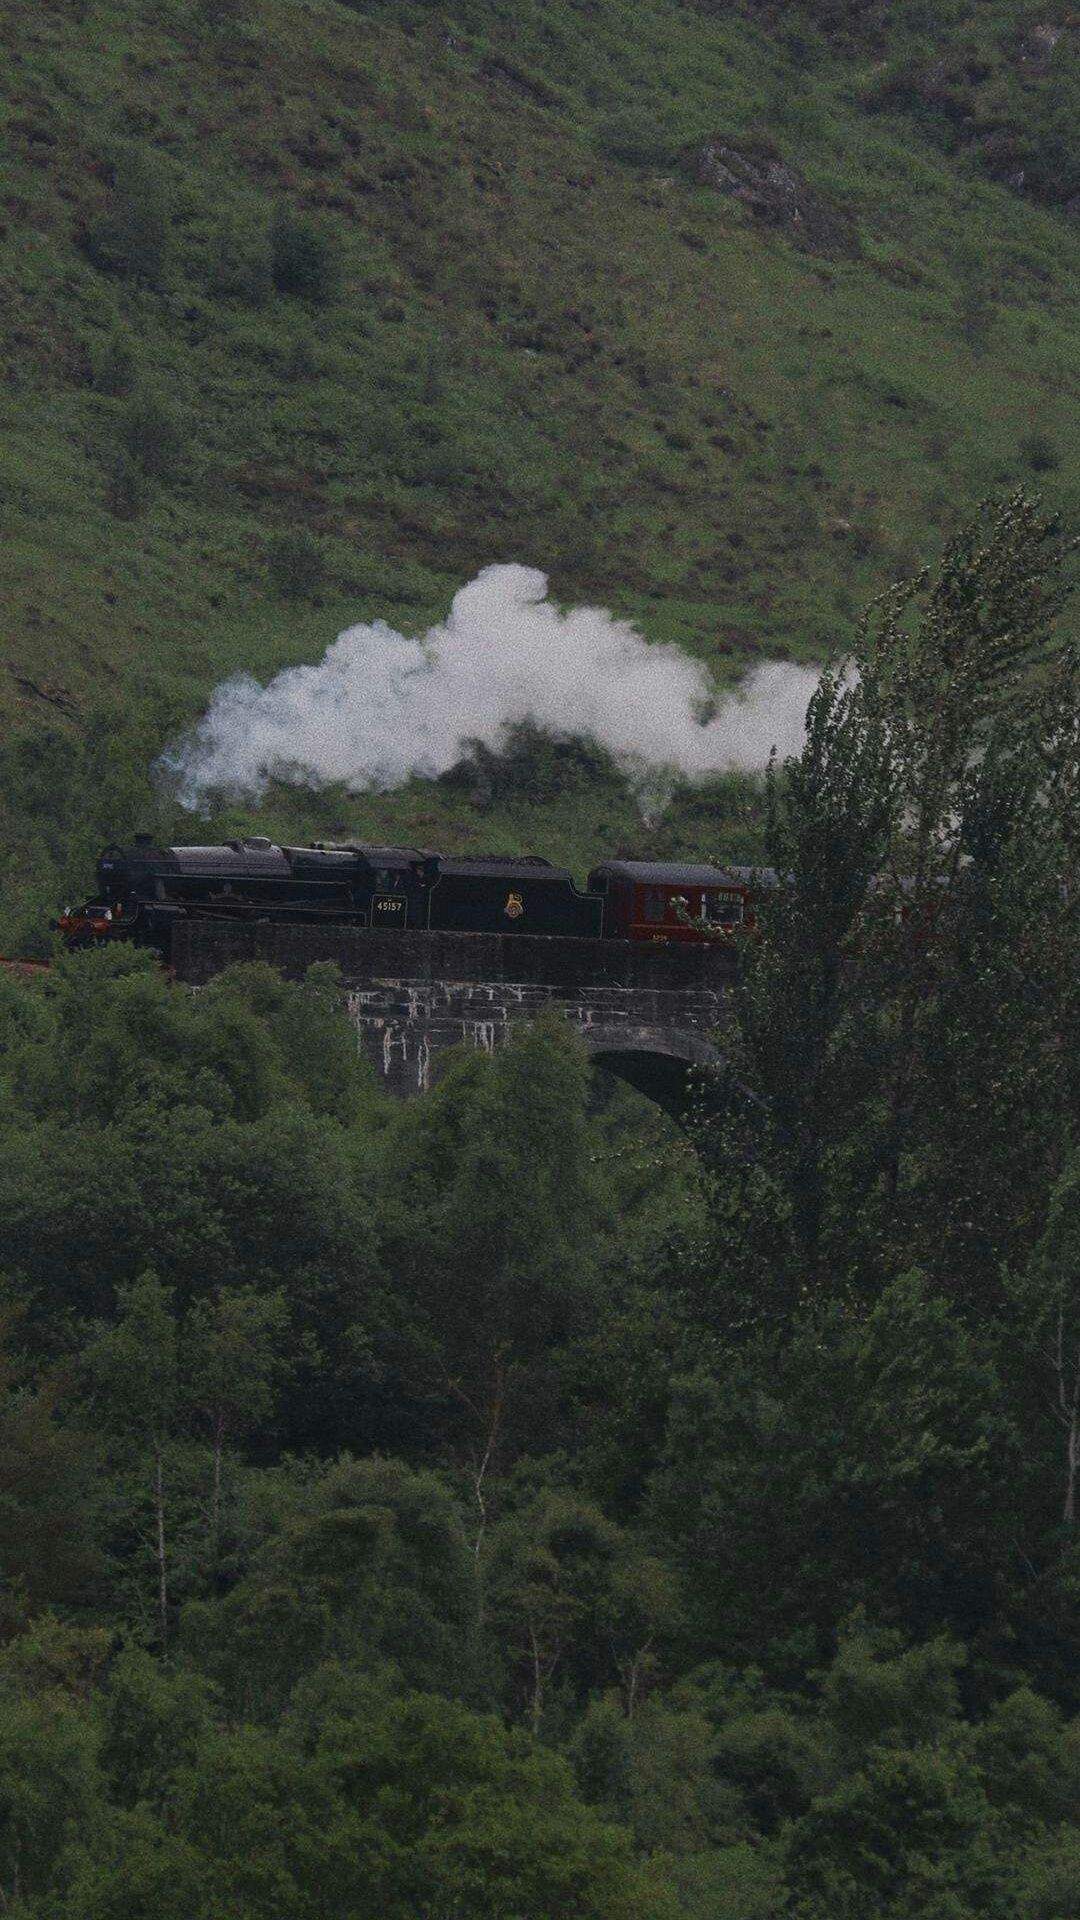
x: 645, y: 1013
x: 654, y: 1060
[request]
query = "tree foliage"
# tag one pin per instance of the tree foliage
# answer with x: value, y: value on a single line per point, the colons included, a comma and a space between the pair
x: 492, y: 1507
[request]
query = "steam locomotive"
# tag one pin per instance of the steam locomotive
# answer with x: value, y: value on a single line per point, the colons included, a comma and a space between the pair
x: 144, y: 889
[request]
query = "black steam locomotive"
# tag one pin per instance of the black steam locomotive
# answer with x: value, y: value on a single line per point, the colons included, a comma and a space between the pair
x: 143, y: 889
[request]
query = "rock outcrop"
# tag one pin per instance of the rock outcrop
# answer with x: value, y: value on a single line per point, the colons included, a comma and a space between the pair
x: 775, y: 194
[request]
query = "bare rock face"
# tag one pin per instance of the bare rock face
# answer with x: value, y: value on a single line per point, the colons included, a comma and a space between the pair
x: 775, y: 194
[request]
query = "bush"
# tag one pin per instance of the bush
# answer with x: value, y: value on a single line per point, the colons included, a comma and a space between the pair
x: 239, y: 266
x: 216, y: 14
x: 296, y: 563
x: 300, y: 361
x: 636, y: 140
x: 303, y: 259
x: 976, y: 304
x: 113, y: 366
x: 153, y: 437
x: 530, y: 765
x: 1038, y: 452
x: 125, y: 490
x: 131, y: 236
x: 432, y: 381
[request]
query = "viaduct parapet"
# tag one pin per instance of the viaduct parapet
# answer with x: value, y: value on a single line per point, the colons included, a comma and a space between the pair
x: 646, y: 1013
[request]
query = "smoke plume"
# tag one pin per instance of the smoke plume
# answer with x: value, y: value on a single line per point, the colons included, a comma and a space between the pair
x: 380, y: 707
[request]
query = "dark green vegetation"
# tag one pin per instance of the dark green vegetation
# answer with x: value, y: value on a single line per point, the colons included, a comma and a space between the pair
x: 311, y: 310
x: 499, y: 1506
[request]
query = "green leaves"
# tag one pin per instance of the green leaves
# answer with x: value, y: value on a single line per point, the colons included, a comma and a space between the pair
x: 368, y: 1564
x: 899, y: 1840
x: 48, y: 1550
x: 523, y: 1525
x: 133, y: 1366
x: 49, y: 1791
x: 570, y: 1599
x: 954, y: 663
x: 497, y: 1241
x: 849, y: 1460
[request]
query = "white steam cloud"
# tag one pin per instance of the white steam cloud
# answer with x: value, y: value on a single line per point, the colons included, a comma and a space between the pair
x: 380, y: 707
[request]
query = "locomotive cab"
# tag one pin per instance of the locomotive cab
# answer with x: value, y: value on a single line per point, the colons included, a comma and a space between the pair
x: 392, y: 885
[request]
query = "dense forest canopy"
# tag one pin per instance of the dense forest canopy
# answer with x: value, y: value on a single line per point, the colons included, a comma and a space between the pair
x: 500, y: 1504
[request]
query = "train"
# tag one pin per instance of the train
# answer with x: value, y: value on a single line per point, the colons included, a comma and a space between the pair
x: 143, y: 889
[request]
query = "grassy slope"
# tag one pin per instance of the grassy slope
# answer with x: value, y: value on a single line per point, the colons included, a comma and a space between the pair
x: 547, y: 343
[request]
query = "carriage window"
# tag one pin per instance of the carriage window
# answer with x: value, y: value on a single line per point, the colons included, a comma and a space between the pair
x: 724, y: 908
x: 655, y: 903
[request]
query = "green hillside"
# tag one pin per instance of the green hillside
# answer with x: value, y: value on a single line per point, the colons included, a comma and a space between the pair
x: 721, y: 315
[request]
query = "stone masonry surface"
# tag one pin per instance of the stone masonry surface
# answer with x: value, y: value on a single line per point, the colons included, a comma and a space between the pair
x: 414, y: 995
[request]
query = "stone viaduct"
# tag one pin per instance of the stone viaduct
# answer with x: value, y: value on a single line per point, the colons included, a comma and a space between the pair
x: 645, y: 1013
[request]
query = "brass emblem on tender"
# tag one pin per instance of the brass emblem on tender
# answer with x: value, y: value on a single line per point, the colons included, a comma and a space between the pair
x: 515, y: 906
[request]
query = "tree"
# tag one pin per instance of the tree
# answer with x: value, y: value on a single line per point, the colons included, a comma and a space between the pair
x: 830, y: 823
x: 958, y: 663
x: 231, y: 1127
x: 308, y: 1028
x: 133, y: 1371
x: 366, y: 1562
x: 230, y: 1361
x: 49, y: 1552
x: 1048, y: 1300
x: 1029, y: 1759
x: 476, y: 1820
x: 49, y: 1793
x: 1049, y: 1886
x: 882, y: 1692
x: 150, y: 1723
x: 920, y: 843
x: 851, y: 1459
x: 566, y: 1591
x: 499, y: 1213
x: 139, y: 1869
x: 50, y: 1659
x: 899, y: 1839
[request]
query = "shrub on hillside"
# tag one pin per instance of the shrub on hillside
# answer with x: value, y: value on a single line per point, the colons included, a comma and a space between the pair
x: 125, y: 488
x: 304, y: 260
x: 530, y: 765
x: 130, y: 237
x: 635, y: 139
x: 152, y: 435
x: 113, y: 366
x: 215, y: 14
x: 238, y: 265
x: 975, y: 304
x: 296, y: 564
x: 300, y: 362
x: 1039, y: 453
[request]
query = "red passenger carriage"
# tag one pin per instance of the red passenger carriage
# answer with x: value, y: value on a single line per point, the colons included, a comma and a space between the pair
x: 663, y: 900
